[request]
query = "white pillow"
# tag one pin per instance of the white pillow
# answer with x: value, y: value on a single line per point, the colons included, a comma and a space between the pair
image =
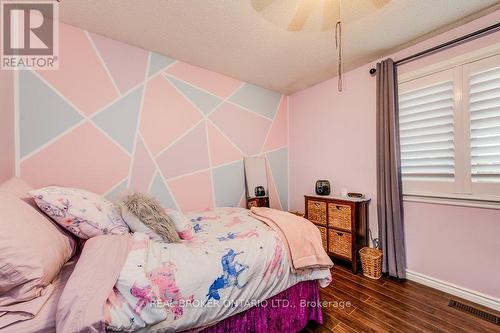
x: 136, y: 225
x: 181, y: 223
x: 84, y: 213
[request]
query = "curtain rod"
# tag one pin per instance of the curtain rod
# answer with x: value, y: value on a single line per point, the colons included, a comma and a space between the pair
x: 439, y: 47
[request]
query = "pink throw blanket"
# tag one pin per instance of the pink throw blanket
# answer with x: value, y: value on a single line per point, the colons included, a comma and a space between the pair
x: 302, y: 238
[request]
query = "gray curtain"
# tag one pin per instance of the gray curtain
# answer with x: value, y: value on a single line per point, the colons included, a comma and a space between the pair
x: 389, y: 191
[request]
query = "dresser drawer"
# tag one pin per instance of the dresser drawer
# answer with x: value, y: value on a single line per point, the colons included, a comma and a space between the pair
x: 316, y: 212
x: 258, y: 202
x: 252, y: 203
x: 340, y: 243
x: 339, y: 216
x: 322, y: 230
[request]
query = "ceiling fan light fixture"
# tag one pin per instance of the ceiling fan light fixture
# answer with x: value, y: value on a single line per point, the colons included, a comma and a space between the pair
x: 308, y: 15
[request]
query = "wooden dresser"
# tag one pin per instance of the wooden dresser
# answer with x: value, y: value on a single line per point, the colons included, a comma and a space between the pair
x: 257, y: 202
x: 343, y: 223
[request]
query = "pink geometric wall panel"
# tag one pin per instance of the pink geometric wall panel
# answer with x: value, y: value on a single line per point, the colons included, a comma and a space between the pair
x: 127, y: 64
x: 187, y: 155
x: 166, y: 114
x: 278, y: 134
x: 221, y: 150
x: 215, y: 83
x: 145, y: 132
x: 81, y: 77
x: 82, y: 158
x: 245, y: 129
x: 193, y: 192
x: 7, y: 142
x: 143, y: 168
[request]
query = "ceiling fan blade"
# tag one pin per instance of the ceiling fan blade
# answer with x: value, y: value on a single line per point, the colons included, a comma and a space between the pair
x: 380, y: 3
x: 260, y: 5
x: 301, y: 14
x: 330, y: 14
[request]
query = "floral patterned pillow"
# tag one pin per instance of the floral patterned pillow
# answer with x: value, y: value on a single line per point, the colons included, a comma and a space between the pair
x: 84, y: 213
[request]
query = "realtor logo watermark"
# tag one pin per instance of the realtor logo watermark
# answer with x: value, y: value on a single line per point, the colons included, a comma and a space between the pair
x: 29, y: 35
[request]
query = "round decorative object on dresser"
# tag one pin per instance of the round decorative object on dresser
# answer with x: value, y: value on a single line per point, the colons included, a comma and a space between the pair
x: 323, y: 187
x: 260, y: 191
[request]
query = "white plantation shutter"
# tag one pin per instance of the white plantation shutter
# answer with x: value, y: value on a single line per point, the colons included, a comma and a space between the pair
x: 484, y: 106
x: 427, y: 131
x: 450, y: 130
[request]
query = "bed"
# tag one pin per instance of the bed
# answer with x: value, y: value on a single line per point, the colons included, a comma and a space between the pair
x: 233, y: 273
x: 260, y: 269
x: 45, y: 320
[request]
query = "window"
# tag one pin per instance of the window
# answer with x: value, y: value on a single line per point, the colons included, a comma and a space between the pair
x: 484, y: 106
x: 450, y: 131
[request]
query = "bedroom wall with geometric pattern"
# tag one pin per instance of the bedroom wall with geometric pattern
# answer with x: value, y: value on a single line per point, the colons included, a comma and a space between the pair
x: 115, y: 117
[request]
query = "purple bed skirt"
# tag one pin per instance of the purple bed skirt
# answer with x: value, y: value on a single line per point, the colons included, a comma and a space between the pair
x: 288, y: 311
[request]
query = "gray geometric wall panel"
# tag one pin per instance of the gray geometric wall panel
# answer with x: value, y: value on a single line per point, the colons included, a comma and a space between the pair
x: 160, y: 192
x: 229, y: 184
x: 204, y: 101
x: 119, y: 120
x: 116, y: 194
x: 158, y: 62
x: 43, y: 114
x: 257, y: 99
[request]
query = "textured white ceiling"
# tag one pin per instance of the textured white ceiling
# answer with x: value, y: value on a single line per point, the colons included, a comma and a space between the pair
x: 231, y: 37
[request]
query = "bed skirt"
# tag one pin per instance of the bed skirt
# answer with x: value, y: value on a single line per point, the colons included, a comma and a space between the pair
x: 288, y: 311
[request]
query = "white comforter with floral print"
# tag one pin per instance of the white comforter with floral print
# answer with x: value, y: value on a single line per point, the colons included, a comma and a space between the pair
x: 232, y: 262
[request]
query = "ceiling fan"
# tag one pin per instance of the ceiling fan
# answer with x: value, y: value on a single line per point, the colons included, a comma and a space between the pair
x: 328, y: 9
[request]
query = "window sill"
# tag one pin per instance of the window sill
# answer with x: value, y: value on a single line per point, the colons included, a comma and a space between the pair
x: 462, y: 201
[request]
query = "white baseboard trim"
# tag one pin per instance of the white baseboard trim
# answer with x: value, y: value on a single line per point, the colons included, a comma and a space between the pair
x: 453, y: 289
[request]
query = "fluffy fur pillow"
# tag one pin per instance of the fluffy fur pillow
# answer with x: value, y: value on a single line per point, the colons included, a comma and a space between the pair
x: 150, y: 212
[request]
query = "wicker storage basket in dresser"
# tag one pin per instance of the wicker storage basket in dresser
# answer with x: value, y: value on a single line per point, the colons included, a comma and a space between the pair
x: 343, y: 223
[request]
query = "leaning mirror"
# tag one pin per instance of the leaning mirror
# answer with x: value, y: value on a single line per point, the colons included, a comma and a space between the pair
x: 256, y: 182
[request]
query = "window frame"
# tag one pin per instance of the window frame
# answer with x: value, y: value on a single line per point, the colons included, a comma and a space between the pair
x: 428, y: 80
x: 462, y: 191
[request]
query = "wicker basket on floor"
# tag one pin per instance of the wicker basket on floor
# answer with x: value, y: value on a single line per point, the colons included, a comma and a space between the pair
x: 371, y: 261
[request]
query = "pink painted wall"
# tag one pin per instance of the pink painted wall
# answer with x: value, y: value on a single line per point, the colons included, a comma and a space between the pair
x: 332, y: 136
x: 115, y: 117
x: 7, y: 146
x: 455, y: 244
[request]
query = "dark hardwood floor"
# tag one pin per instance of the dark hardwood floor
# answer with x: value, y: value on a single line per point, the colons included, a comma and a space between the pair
x: 359, y: 304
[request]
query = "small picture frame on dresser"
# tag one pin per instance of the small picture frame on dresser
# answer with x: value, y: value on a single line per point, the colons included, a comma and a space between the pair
x: 343, y: 224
